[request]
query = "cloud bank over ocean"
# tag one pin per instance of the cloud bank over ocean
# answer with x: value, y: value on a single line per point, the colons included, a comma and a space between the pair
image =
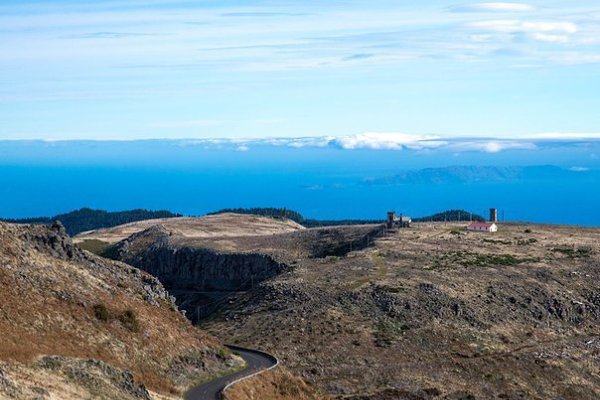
x: 398, y: 142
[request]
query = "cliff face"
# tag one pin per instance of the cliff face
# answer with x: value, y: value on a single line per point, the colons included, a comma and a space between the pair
x: 203, y: 274
x: 204, y: 269
x: 179, y: 267
x: 202, y: 279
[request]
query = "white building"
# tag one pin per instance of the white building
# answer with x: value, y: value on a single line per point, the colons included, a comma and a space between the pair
x: 482, y: 227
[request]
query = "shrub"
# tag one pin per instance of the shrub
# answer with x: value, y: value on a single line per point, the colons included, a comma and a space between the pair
x: 526, y: 242
x: 497, y: 241
x: 129, y: 320
x: 101, y: 312
x: 222, y: 353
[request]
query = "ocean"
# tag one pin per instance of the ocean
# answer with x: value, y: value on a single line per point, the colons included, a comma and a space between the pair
x: 552, y: 182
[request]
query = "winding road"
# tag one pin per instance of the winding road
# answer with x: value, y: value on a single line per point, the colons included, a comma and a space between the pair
x: 256, y: 362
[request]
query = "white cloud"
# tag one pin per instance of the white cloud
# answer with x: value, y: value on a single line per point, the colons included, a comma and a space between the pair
x: 565, y: 136
x: 386, y: 141
x: 494, y: 7
x: 516, y: 26
x: 243, y: 148
x: 492, y: 146
x: 548, y: 38
x: 301, y: 142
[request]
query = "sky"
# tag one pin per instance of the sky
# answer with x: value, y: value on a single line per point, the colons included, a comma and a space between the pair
x: 427, y: 69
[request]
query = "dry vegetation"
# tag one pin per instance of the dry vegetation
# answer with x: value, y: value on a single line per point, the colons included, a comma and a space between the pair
x: 220, y: 225
x: 436, y: 312
x: 58, y: 300
x: 273, y: 385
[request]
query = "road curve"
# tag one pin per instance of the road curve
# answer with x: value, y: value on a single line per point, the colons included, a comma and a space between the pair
x: 256, y: 362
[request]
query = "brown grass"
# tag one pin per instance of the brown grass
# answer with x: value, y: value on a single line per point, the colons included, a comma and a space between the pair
x: 50, y: 306
x: 274, y: 385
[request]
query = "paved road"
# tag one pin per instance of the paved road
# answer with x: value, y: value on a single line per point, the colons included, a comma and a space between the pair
x: 256, y: 361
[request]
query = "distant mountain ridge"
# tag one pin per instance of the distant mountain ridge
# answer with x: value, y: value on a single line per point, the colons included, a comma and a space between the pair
x: 87, y: 219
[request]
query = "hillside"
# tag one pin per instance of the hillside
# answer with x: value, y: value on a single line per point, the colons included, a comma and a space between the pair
x: 74, y: 325
x: 432, y: 312
x: 204, y: 271
x: 435, y: 312
x: 212, y: 226
x: 87, y: 219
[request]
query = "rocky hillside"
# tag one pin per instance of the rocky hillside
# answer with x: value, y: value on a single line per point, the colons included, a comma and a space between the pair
x: 74, y: 325
x: 435, y: 312
x: 204, y: 272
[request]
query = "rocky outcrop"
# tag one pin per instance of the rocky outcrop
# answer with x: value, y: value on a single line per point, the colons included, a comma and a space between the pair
x: 53, y: 240
x: 202, y: 279
x: 205, y: 269
x: 180, y: 267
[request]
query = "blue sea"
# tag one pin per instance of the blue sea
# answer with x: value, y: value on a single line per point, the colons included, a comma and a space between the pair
x: 549, y: 181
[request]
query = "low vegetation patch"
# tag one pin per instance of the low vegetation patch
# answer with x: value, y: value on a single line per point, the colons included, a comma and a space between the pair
x: 470, y: 259
x: 526, y: 242
x: 484, y: 260
x: 101, y: 312
x: 572, y: 252
x: 494, y: 241
x: 128, y: 318
x: 387, y: 332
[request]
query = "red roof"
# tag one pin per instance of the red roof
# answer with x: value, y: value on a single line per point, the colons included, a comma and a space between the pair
x: 481, y: 224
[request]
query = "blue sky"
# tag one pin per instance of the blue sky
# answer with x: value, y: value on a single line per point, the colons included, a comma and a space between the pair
x: 129, y: 69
